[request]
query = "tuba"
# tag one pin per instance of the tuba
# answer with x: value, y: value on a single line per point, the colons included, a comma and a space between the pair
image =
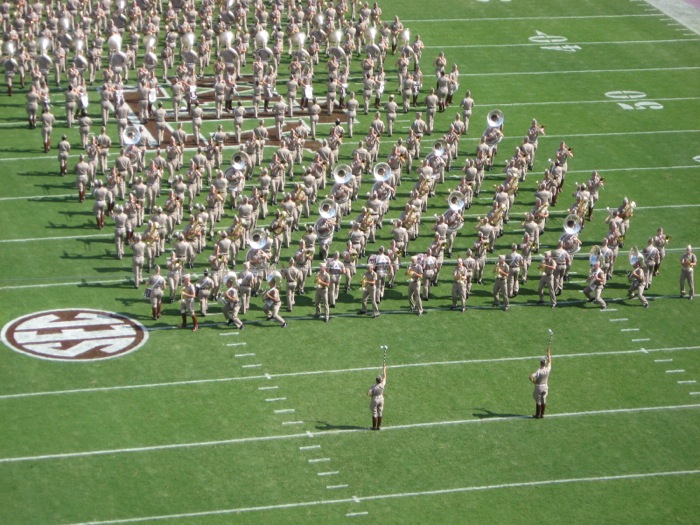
x: 381, y: 172
x: 274, y: 277
x: 635, y: 256
x: 572, y: 224
x: 439, y: 149
x: 495, y: 118
x: 342, y: 174
x: 258, y: 238
x: 328, y: 209
x: 456, y: 201
x: 114, y: 43
x: 239, y: 162
x: 130, y: 136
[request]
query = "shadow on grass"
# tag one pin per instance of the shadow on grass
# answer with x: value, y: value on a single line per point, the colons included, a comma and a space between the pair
x: 485, y: 413
x: 325, y: 425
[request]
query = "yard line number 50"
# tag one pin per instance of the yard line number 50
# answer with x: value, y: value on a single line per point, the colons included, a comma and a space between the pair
x: 635, y: 96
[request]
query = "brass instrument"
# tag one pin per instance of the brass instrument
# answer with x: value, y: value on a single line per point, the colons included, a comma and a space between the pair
x: 636, y: 256
x: 328, y: 209
x: 151, y: 236
x: 258, y: 238
x: 309, y: 254
x: 424, y: 187
x: 573, y: 224
x: 495, y: 118
x: 363, y: 283
x: 582, y: 208
x: 628, y: 211
x: 279, y: 225
x: 539, y: 212
x: 194, y: 232
x: 411, y: 218
x: 495, y: 216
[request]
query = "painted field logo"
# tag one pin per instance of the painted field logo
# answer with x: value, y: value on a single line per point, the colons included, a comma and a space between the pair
x: 74, y: 335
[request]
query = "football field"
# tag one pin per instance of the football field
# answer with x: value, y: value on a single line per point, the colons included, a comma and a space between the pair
x: 111, y: 417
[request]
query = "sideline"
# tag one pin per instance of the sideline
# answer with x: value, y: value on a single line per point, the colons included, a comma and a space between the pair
x: 680, y: 11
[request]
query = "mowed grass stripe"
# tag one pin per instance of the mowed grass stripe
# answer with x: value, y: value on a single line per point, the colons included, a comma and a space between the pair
x: 336, y: 371
x: 310, y: 434
x: 378, y: 497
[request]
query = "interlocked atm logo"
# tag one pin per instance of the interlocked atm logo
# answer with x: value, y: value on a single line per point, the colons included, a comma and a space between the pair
x: 74, y: 335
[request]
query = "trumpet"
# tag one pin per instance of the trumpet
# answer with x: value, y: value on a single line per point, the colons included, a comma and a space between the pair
x: 363, y: 284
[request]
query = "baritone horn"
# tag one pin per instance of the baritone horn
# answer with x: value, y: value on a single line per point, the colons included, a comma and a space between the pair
x: 381, y: 172
x: 495, y: 118
x: 342, y: 174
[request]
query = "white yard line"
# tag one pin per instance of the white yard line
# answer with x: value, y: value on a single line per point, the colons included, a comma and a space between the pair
x: 306, y: 435
x: 524, y: 18
x: 332, y: 372
x: 582, y: 44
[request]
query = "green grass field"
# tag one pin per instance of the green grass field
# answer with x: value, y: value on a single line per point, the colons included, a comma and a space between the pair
x: 271, y: 426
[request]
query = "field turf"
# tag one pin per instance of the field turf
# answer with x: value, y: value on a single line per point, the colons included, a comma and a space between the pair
x: 271, y: 426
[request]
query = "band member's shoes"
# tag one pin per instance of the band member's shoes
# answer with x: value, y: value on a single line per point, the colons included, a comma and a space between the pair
x: 195, y: 328
x: 327, y: 319
x: 229, y: 322
x: 284, y: 325
x: 376, y: 315
x: 646, y: 305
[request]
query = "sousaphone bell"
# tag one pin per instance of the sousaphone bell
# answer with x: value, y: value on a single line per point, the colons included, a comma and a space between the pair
x: 327, y: 208
x: 342, y: 174
x: 381, y: 172
x: 130, y: 136
x: 258, y: 238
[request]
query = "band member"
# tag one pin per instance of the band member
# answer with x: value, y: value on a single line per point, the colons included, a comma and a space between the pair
x: 459, y: 286
x: 376, y: 406
x: 596, y: 283
x: 272, y: 302
x: 500, y: 286
x: 688, y: 262
x: 204, y: 288
x: 323, y: 281
x: 547, y: 267
x: 157, y: 285
x: 187, y: 298
x: 231, y: 303
x: 638, y: 283
x: 415, y: 275
x: 368, y: 283
x: 540, y: 377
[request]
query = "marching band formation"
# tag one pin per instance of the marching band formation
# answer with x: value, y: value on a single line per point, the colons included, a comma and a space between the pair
x: 243, y: 53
